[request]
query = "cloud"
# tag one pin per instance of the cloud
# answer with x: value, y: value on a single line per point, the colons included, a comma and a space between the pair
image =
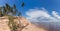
x: 55, y: 14
x: 42, y: 15
x: 37, y: 13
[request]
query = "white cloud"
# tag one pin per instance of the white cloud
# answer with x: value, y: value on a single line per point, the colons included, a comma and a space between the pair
x: 41, y: 15
x: 55, y: 14
x: 37, y: 13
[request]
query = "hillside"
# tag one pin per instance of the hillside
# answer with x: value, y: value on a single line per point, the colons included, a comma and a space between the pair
x: 33, y: 27
x: 29, y: 27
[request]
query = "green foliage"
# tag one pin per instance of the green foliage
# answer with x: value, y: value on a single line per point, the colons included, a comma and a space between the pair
x: 11, y: 24
x: 22, y: 4
x: 10, y: 11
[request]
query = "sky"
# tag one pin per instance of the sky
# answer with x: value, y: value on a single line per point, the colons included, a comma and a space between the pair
x: 37, y: 10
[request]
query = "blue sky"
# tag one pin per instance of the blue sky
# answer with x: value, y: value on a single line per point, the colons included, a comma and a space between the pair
x: 30, y: 4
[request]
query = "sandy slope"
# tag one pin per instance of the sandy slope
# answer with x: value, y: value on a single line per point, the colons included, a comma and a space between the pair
x: 32, y: 27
